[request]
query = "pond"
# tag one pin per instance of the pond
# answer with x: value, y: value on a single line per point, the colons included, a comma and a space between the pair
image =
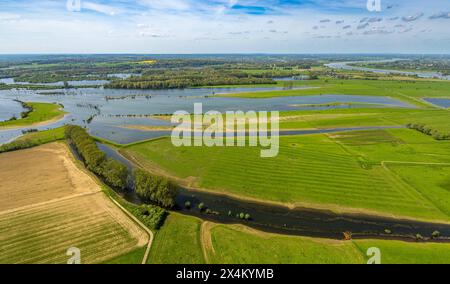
x: 445, y: 103
x: 9, y: 108
x: 107, y: 113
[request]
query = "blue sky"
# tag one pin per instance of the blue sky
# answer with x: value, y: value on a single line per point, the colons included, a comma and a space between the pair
x: 224, y: 26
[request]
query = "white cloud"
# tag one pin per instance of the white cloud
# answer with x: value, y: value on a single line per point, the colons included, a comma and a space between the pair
x: 9, y: 17
x: 100, y: 8
x: 182, y: 5
x: 413, y: 18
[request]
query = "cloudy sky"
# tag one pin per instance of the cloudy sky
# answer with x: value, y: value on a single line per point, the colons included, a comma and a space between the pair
x: 224, y: 26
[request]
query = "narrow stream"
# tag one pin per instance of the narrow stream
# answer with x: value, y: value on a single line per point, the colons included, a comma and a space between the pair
x: 282, y: 220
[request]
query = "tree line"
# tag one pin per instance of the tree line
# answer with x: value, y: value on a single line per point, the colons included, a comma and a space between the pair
x: 157, y: 190
x: 179, y: 79
x: 437, y: 135
x: 113, y: 173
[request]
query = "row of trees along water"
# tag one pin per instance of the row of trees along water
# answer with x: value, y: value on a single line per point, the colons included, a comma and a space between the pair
x: 154, y: 189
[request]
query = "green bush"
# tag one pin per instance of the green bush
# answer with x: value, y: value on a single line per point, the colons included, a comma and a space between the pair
x: 18, y: 145
x: 151, y: 216
x: 436, y: 235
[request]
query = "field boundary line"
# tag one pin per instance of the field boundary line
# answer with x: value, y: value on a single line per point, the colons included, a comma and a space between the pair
x: 386, y: 168
x: 383, y: 163
x: 206, y: 239
x: 149, y: 232
x: 31, y: 206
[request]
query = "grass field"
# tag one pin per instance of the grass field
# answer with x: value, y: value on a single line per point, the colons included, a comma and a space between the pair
x: 46, y: 136
x: 312, y: 170
x: 45, y: 210
x: 432, y: 181
x: 241, y: 245
x: 237, y: 244
x: 396, y: 252
x: 41, y: 113
x: 408, y: 91
x: 360, y: 117
x: 178, y: 242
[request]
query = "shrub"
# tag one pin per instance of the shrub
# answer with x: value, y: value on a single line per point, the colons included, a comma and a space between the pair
x: 152, y: 216
x: 436, y: 234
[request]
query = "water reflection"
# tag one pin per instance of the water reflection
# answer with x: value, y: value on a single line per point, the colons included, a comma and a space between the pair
x: 105, y: 112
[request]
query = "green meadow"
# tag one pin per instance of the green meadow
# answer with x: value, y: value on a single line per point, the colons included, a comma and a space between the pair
x: 409, y: 91
x: 41, y: 112
x: 181, y: 241
x: 177, y: 242
x: 241, y: 245
x: 341, y: 171
x: 359, y: 117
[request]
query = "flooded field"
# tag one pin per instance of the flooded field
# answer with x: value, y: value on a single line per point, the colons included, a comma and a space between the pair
x: 445, y: 103
x: 105, y: 112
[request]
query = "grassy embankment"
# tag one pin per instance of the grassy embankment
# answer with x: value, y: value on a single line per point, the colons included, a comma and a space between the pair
x: 409, y: 91
x: 33, y: 139
x: 41, y: 113
x: 343, y: 171
x: 178, y: 241
x: 184, y: 240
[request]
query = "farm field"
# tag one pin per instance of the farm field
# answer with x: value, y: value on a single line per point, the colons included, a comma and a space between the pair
x: 319, y: 171
x: 46, y: 210
x: 178, y: 242
x: 41, y: 114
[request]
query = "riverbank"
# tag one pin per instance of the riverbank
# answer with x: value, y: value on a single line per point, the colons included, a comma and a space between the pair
x: 40, y: 114
x: 276, y: 218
